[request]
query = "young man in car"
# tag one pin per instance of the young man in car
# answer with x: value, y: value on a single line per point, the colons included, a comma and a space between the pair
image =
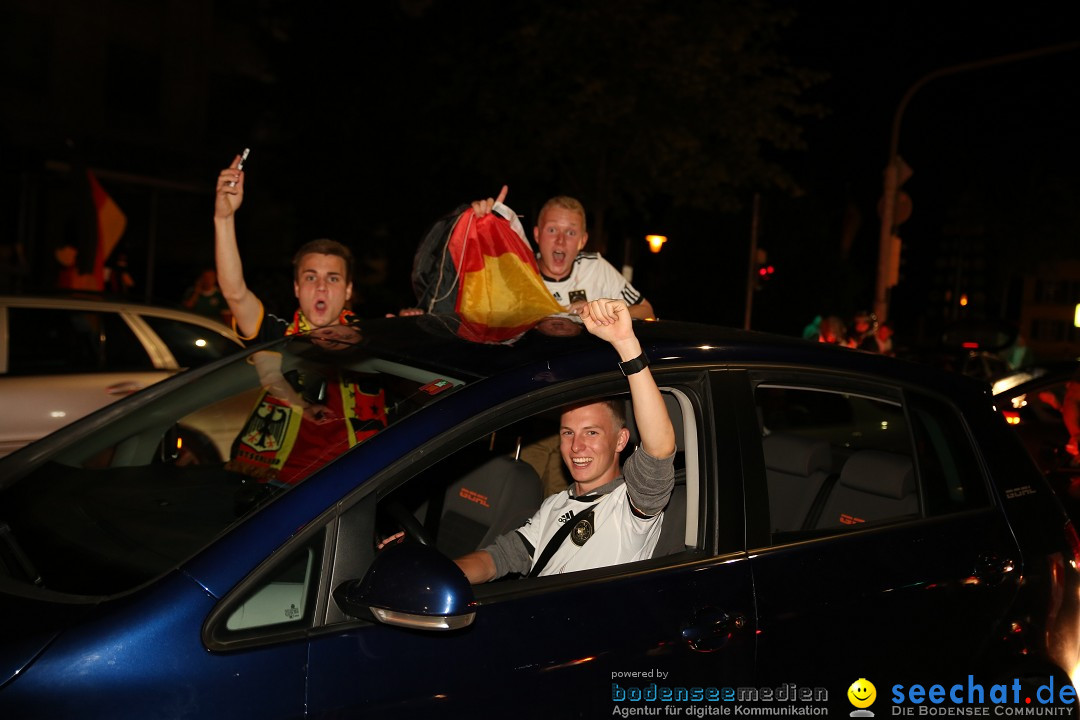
x: 573, y: 276
x: 274, y: 446
x: 611, y: 517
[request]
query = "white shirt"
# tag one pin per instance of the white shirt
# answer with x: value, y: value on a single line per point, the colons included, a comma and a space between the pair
x: 619, y: 535
x: 591, y: 278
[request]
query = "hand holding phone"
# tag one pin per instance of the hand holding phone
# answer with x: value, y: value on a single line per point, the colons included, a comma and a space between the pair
x: 240, y: 165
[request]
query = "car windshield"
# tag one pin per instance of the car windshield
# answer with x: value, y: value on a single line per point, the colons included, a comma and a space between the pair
x: 122, y: 496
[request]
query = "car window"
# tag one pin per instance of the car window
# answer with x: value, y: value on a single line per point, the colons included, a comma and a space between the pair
x: 494, y: 485
x: 170, y: 475
x: 192, y: 345
x: 283, y: 598
x: 839, y: 461
x: 51, y: 340
x: 948, y: 466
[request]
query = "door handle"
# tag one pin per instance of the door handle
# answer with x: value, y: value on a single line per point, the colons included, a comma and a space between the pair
x: 710, y: 629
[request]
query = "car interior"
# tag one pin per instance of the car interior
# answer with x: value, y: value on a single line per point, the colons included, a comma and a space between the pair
x: 118, y: 506
x: 835, y: 462
x: 485, y: 490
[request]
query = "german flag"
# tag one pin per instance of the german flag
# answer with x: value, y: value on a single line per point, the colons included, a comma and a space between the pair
x: 111, y: 223
x: 83, y: 266
x: 500, y: 292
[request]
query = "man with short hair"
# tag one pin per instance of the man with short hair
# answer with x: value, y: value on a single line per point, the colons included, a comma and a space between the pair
x: 572, y: 275
x: 611, y: 515
x: 353, y: 409
x: 322, y: 273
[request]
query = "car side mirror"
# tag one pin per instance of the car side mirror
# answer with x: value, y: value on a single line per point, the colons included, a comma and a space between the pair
x: 412, y: 586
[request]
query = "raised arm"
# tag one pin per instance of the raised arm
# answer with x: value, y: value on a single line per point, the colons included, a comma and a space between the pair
x: 611, y: 320
x: 483, y: 207
x: 245, y: 306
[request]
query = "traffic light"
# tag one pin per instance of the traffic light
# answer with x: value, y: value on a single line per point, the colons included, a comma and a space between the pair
x: 764, y: 271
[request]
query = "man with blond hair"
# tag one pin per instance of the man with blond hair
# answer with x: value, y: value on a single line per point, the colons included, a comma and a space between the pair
x: 573, y: 276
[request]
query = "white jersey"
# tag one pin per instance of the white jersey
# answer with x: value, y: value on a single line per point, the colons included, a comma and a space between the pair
x: 592, y: 278
x: 619, y: 535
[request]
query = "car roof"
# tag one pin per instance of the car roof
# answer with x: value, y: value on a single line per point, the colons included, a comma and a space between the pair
x: 431, y: 341
x: 91, y: 301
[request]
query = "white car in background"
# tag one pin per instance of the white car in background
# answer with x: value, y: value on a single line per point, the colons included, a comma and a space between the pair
x: 64, y: 357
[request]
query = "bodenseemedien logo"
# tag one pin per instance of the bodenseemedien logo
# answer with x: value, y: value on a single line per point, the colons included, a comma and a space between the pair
x: 862, y: 694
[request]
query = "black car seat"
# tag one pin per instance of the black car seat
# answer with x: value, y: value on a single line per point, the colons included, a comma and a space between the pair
x: 873, y: 486
x: 795, y: 469
x: 495, y: 498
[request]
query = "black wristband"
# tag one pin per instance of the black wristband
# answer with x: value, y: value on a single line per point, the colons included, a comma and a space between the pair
x: 636, y: 365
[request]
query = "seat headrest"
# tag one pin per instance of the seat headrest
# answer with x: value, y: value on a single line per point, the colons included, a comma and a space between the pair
x: 500, y: 481
x: 796, y: 455
x: 879, y: 473
x: 674, y: 412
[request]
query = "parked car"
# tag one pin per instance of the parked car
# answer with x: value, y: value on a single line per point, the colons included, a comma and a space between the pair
x: 1031, y: 402
x: 63, y: 357
x: 837, y: 516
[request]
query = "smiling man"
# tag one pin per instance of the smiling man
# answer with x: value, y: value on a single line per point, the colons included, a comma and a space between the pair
x: 605, y: 517
x: 572, y: 275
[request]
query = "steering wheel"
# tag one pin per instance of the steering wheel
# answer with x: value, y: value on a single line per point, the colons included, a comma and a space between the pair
x: 414, y: 530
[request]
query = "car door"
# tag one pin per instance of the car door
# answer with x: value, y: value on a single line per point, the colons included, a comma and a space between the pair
x: 576, y: 645
x: 62, y: 364
x: 880, y: 555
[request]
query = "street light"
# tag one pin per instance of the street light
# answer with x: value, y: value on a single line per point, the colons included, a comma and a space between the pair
x: 886, y: 271
x: 656, y: 242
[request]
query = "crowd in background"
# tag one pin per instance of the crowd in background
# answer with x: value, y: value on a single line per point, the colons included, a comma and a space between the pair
x: 866, y: 333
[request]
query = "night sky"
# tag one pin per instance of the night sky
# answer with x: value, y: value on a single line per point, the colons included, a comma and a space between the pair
x: 370, y: 126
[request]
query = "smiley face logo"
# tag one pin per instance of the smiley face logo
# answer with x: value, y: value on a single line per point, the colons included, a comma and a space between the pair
x: 862, y: 693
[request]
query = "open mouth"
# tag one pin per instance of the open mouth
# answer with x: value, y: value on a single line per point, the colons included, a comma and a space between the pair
x: 581, y: 462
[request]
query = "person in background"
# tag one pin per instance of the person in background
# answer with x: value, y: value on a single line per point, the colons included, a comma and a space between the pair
x: 863, y: 328
x: 117, y: 277
x: 812, y: 329
x: 883, y: 340
x: 832, y: 331
x: 205, y: 298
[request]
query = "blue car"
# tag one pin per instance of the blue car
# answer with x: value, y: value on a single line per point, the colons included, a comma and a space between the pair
x: 840, y: 520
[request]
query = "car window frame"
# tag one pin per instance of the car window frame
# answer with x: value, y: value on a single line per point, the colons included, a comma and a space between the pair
x: 352, y: 517
x: 139, y: 332
x: 690, y: 382
x: 839, y: 381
